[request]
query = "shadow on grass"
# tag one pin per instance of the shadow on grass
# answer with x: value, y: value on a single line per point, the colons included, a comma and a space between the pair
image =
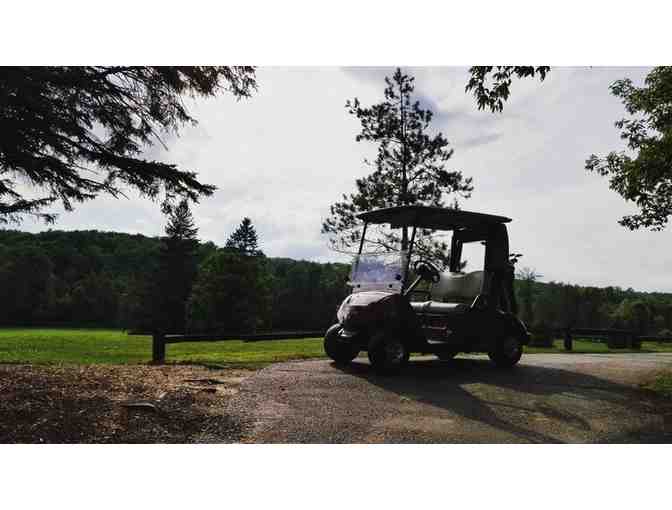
x: 445, y: 385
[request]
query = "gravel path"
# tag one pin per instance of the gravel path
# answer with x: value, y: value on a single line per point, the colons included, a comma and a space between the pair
x: 547, y: 398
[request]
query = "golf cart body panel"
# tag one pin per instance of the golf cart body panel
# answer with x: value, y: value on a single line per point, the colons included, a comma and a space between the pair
x: 462, y: 312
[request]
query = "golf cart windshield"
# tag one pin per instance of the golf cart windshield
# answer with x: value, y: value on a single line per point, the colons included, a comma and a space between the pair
x: 378, y: 272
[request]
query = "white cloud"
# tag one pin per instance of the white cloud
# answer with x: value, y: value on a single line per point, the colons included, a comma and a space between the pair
x: 283, y: 156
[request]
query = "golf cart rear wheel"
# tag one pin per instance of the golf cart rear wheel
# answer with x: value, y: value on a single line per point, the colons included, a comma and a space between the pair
x: 387, y: 356
x: 340, y: 350
x: 507, y: 352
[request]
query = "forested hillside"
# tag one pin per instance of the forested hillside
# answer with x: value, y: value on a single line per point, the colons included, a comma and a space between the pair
x: 92, y: 278
x: 559, y: 305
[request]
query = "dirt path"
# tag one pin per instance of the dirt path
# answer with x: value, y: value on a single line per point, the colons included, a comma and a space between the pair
x: 119, y: 404
x: 546, y: 399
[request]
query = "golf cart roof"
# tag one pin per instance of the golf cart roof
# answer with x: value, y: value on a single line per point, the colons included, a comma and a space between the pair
x: 435, y: 218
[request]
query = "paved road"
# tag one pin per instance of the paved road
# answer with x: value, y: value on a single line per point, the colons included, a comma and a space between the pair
x: 547, y: 398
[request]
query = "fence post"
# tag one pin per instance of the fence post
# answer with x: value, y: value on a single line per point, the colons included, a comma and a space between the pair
x: 568, y: 339
x: 158, y: 348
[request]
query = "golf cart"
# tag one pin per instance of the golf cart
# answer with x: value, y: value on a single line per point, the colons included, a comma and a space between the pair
x: 459, y: 312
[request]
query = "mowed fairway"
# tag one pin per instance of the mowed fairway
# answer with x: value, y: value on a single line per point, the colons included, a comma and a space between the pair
x: 90, y: 346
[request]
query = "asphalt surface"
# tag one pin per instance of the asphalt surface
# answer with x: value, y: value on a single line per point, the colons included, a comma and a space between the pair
x: 547, y: 398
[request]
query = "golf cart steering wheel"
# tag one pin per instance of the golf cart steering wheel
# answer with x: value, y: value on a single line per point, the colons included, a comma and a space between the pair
x: 427, y: 270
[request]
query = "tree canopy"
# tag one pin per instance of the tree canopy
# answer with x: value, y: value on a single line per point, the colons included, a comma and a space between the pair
x: 180, y: 226
x: 643, y: 173
x: 491, y: 85
x: 410, y: 168
x: 244, y: 239
x: 99, y: 279
x: 72, y: 133
x: 230, y: 294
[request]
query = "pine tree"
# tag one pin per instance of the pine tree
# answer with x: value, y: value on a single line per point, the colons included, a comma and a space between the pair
x: 232, y: 294
x: 244, y: 240
x: 409, y: 170
x: 233, y: 290
x: 79, y: 131
x: 180, y: 227
x: 527, y: 277
x: 177, y: 270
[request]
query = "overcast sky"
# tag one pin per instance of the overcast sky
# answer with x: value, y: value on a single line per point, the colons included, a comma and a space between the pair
x: 283, y: 156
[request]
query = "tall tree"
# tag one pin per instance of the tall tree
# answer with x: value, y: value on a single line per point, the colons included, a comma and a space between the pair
x: 233, y: 290
x: 527, y: 277
x: 176, y: 271
x: 73, y: 133
x: 643, y: 174
x: 25, y: 278
x: 231, y: 294
x: 244, y: 239
x: 409, y: 169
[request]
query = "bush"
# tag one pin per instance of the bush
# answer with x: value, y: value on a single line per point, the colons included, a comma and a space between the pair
x: 665, y: 333
x: 618, y: 340
x: 542, y: 336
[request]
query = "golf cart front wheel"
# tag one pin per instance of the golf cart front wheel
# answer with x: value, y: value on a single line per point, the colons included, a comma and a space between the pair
x: 387, y: 356
x: 340, y: 350
x: 507, y: 352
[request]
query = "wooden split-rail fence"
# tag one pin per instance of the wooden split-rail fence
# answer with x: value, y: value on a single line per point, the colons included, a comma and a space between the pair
x: 615, y: 338
x: 159, y: 340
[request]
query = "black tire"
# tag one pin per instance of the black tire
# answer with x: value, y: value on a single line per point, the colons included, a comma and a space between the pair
x: 340, y: 350
x: 507, y: 352
x: 387, y: 356
x: 446, y: 356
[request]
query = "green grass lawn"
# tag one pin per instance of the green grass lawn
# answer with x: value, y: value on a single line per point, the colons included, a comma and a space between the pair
x: 590, y: 347
x: 87, y: 346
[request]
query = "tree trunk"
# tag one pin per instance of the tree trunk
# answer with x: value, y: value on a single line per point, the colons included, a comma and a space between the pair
x: 404, y: 178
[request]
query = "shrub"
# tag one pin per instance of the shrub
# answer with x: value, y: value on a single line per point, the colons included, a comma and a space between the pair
x: 617, y: 340
x: 666, y: 333
x: 542, y: 336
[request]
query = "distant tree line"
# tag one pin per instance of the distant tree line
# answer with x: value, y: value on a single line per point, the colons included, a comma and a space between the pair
x: 105, y: 279
x: 109, y: 279
x: 559, y: 305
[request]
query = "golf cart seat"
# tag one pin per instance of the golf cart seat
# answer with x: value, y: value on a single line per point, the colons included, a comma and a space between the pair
x: 458, y: 287
x: 453, y: 293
